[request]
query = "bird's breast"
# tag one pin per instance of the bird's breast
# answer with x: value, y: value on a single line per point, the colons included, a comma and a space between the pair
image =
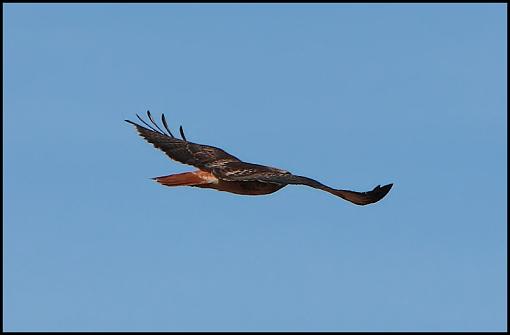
x: 243, y: 187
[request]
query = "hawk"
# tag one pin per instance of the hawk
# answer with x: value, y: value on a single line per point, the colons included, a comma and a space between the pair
x: 221, y: 171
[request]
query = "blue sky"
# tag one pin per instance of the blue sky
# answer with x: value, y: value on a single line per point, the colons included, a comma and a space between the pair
x: 351, y: 95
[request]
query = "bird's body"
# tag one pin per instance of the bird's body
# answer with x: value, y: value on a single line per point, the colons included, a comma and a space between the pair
x: 223, y: 172
x: 204, y: 179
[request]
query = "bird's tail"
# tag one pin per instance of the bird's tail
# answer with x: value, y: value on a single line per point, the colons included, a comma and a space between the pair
x: 180, y: 179
x: 187, y: 179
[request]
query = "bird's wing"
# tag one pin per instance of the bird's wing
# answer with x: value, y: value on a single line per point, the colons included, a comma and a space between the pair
x: 285, y: 178
x: 204, y: 157
x: 242, y: 171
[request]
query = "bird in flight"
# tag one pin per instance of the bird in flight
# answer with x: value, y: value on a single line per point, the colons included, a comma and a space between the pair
x: 221, y: 171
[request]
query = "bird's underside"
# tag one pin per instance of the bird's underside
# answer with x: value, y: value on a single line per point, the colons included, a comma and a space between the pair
x: 223, y: 172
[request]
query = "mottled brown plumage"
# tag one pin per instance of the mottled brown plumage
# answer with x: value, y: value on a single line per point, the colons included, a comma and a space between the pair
x: 221, y: 171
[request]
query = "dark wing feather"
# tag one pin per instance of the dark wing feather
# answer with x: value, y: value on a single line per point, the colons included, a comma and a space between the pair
x: 204, y: 157
x: 271, y: 176
x: 242, y: 171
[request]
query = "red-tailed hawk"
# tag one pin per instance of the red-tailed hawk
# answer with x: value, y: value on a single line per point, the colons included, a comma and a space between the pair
x: 221, y: 171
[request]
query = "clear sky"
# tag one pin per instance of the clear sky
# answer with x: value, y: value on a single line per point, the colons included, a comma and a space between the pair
x: 350, y: 95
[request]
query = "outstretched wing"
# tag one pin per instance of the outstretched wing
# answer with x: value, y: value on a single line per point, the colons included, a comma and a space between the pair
x: 286, y: 178
x: 204, y: 157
